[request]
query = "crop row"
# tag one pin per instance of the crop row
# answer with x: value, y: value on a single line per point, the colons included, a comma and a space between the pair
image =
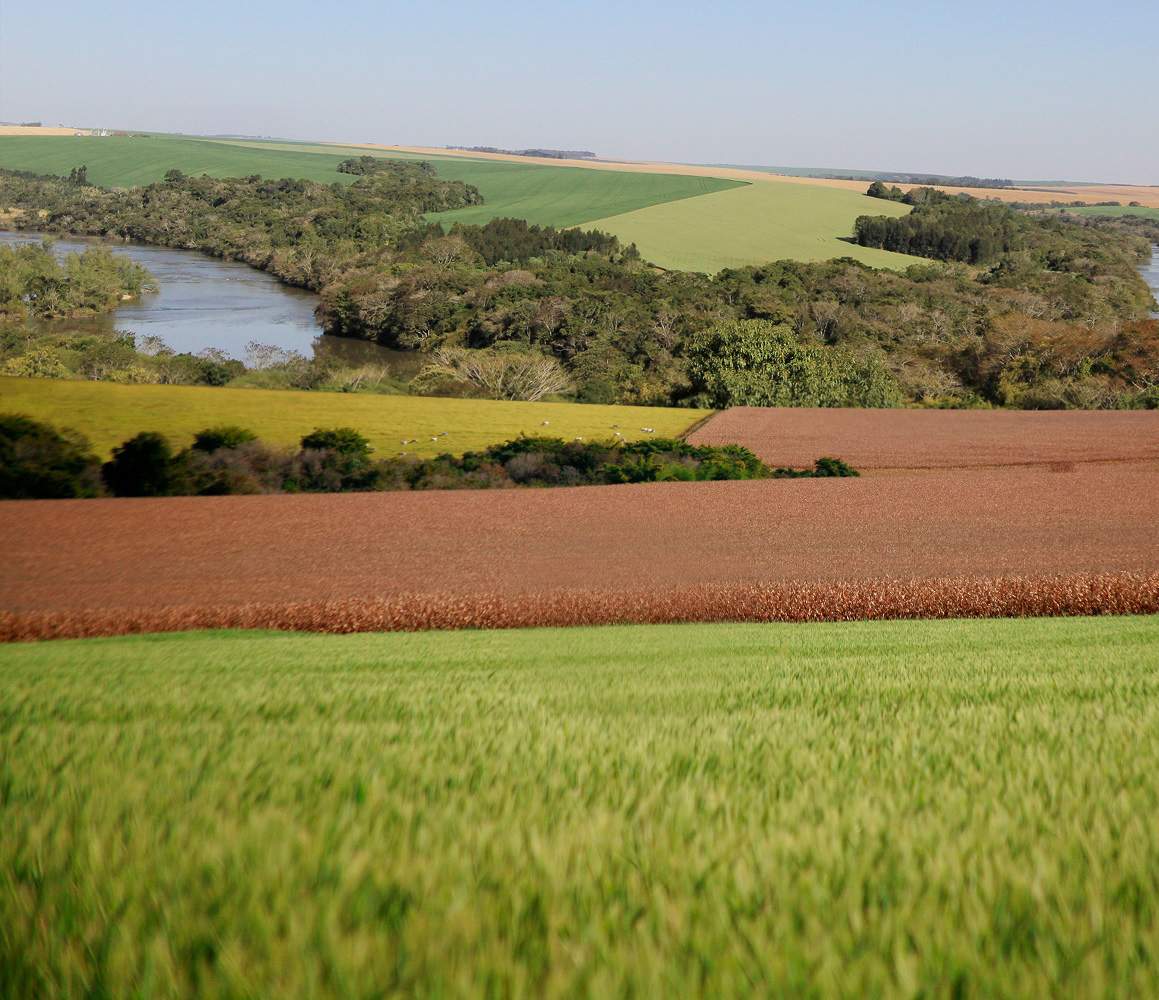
x: 1122, y: 593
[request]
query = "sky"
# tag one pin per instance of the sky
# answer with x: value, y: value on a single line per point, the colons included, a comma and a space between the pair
x: 1021, y: 89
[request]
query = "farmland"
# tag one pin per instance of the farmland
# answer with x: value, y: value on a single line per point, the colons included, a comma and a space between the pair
x: 1021, y: 540
x: 872, y: 809
x: 108, y: 414
x: 763, y: 221
x: 546, y: 195
x: 941, y: 439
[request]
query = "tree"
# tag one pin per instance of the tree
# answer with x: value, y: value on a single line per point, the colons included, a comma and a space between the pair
x: 757, y: 363
x: 39, y: 462
x: 505, y: 375
x: 142, y: 467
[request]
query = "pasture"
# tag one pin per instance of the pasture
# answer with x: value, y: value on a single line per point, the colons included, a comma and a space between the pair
x: 940, y: 809
x: 107, y: 413
x: 1146, y: 212
x: 545, y: 195
x: 763, y: 221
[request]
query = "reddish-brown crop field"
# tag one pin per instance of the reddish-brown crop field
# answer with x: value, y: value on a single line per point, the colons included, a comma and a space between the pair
x: 1022, y: 540
x: 936, y: 439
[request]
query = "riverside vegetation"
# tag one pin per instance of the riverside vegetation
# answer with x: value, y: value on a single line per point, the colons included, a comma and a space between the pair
x: 1036, y: 312
x: 717, y: 810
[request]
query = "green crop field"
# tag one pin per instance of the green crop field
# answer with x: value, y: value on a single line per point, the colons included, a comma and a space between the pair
x: 770, y: 220
x: 892, y: 810
x: 108, y: 413
x: 546, y: 195
x: 1144, y: 212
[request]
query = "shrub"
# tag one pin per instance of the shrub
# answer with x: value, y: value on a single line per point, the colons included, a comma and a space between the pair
x: 833, y: 467
x: 39, y: 462
x: 143, y: 467
x: 224, y: 436
x: 344, y: 440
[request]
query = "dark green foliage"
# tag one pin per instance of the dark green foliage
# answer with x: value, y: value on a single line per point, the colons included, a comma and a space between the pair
x: 758, y: 363
x: 40, y: 462
x: 515, y: 241
x: 878, y: 190
x: 143, y: 466
x: 34, y: 283
x: 825, y: 467
x: 342, y: 440
x: 224, y: 436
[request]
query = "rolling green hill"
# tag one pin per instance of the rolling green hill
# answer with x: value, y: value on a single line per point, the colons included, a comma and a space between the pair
x: 546, y: 195
x: 770, y: 220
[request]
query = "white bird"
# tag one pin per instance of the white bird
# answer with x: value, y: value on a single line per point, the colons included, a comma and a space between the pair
x: 434, y: 439
x: 545, y: 423
x: 579, y: 439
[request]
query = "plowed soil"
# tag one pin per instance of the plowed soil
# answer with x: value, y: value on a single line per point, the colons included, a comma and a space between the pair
x: 1005, y: 541
x: 936, y: 439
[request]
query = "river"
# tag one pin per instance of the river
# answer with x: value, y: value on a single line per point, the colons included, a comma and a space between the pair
x: 205, y: 302
x: 1151, y: 273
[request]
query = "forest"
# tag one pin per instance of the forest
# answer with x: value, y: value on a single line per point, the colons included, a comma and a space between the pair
x: 1008, y: 309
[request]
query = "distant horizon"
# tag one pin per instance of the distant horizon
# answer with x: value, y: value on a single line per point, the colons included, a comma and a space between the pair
x: 1024, y: 90
x: 452, y: 148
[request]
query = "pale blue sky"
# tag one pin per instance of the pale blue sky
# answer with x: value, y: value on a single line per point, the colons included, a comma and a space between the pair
x: 1023, y: 89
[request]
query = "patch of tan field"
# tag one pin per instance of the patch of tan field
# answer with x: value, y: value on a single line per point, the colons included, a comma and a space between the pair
x: 1124, y: 193
x: 40, y: 130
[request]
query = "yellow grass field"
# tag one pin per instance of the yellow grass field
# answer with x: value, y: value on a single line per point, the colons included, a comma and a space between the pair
x: 39, y: 130
x: 108, y: 414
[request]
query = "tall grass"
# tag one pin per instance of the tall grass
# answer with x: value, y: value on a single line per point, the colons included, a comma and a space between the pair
x: 935, y: 809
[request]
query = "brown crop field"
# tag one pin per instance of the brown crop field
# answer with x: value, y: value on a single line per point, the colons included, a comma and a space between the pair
x: 1019, y: 540
x: 936, y: 439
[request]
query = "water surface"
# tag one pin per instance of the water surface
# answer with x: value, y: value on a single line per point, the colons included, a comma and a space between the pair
x: 204, y: 302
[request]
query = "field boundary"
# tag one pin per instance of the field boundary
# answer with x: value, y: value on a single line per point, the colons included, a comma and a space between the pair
x: 1069, y: 595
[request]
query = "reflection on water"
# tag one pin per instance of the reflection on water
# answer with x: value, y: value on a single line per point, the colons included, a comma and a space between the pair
x: 1151, y: 274
x: 205, y: 302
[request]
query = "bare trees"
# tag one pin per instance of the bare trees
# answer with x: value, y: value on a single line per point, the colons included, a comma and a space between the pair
x: 523, y: 376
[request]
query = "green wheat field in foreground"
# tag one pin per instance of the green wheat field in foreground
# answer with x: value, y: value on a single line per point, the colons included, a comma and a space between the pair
x: 906, y: 809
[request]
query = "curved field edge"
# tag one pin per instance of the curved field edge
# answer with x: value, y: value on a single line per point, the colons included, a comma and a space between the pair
x: 763, y: 221
x: 837, y: 601
x: 108, y: 414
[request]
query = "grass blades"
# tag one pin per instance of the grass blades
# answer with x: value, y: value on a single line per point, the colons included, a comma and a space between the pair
x: 769, y: 220
x: 108, y: 414
x: 937, y: 809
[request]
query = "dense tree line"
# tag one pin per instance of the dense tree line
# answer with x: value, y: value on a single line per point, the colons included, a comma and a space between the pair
x: 1013, y: 310
x: 959, y: 228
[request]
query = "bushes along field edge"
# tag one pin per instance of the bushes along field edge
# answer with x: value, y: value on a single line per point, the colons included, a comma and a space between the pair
x: 228, y: 459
